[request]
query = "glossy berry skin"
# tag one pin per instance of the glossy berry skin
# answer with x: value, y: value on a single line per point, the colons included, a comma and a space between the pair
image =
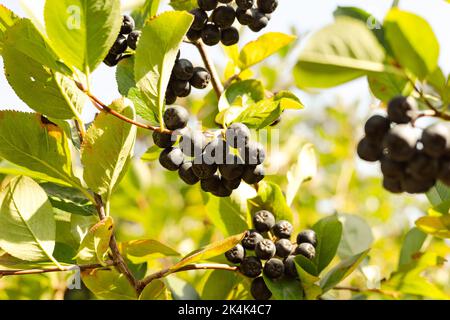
x: 200, y: 78
x: 211, y: 184
x: 231, y: 184
x: 392, y: 169
x: 422, y: 166
x: 376, y: 127
x: 436, y: 140
x: 216, y: 152
x: 263, y: 221
x: 231, y: 171
x: 207, y: 5
x: 259, y: 21
x: 222, y: 191
x: 203, y: 170
x: 284, y: 248
x: 230, y: 36
x: 282, y: 229
x: 259, y: 289
x: 402, y: 109
x: 181, y: 88
x: 265, y: 249
x: 245, y: 17
x: 253, y: 153
x: 306, y: 249
x: 400, y: 142
x: 444, y: 172
x: 133, y: 39
x: 223, y: 16
x: 253, y: 174
x: 267, y: 6
x: 171, y: 97
x: 236, y: 254
x: 307, y: 236
x: 369, y: 151
x: 245, y: 4
x: 274, y: 268
x: 414, y: 186
x: 237, y: 135
x: 176, y: 117
x: 251, y: 239
x: 251, y: 267
x: 289, y: 267
x: 194, y: 35
x: 127, y: 24
x: 112, y: 60
x: 120, y: 46
x: 183, y: 70
x: 211, y: 34
x: 187, y: 174
x: 192, y: 143
x: 200, y: 19
x: 163, y: 140
x: 392, y: 185
x: 171, y: 158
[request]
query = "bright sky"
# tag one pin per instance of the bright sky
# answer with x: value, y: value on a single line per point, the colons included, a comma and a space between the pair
x: 305, y: 15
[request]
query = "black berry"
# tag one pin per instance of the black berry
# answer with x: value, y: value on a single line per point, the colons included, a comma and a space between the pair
x: 194, y: 35
x: 236, y: 254
x: 306, y: 249
x: 259, y: 289
x: 187, y: 174
x: 231, y: 171
x: 263, y: 221
x: 176, y: 117
x: 392, y: 169
x: 369, y: 151
x: 245, y: 17
x: 207, y: 5
x: 274, y: 268
x: 200, y: 19
x: 444, y: 172
x: 376, y: 127
x: 211, y: 34
x: 120, y: 46
x: 171, y: 97
x: 216, y: 151
x: 201, y: 78
x: 192, y: 143
x: 112, y: 60
x: 171, y: 158
x: 251, y: 267
x: 402, y: 109
x: 415, y: 186
x: 181, y: 88
x: 127, y: 24
x: 392, y: 185
x: 183, y: 70
x: 289, y: 267
x: 237, y: 135
x: 251, y: 239
x: 210, y: 184
x: 307, y: 236
x: 253, y: 153
x: 259, y: 21
x: 422, y: 167
x: 230, y: 36
x: 222, y: 191
x: 265, y: 249
x: 267, y: 6
x: 231, y: 184
x: 400, y: 142
x: 203, y: 170
x: 163, y: 140
x: 133, y: 39
x: 245, y: 4
x: 283, y: 229
x: 253, y: 174
x: 284, y: 248
x: 436, y: 140
x: 223, y: 16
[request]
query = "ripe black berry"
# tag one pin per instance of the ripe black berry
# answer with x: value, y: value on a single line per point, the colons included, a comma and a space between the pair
x: 274, y: 268
x: 171, y: 158
x: 181, y: 88
x: 422, y: 167
x: 283, y: 229
x: 259, y: 21
x: 225, y: 1
x: 183, y: 70
x: 251, y: 267
x: 306, y: 249
x: 237, y: 135
x: 284, y: 248
x: 393, y: 185
x: 400, y: 142
x: 402, y: 109
x: 251, y: 239
x: 120, y: 46
x: 194, y: 35
x: 187, y: 174
x: 413, y: 186
x: 245, y: 4
x: 202, y: 169
x: 253, y: 153
x: 211, y: 34
x: 392, y: 169
x: 133, y: 39
x: 245, y: 17
x: 200, y: 19
x: 216, y: 151
x: 207, y: 5
x: 201, y: 78
x: 171, y: 97
x: 231, y: 171
x: 444, y: 172
x: 192, y: 143
x: 307, y: 236
x: 236, y: 254
x: 230, y: 36
x: 265, y: 249
x: 163, y: 140
x: 253, y: 174
x: 222, y: 191
x: 231, y: 184
x: 369, y: 151
x: 127, y: 24
x: 376, y: 127
x: 210, y: 184
x: 259, y: 289
x: 176, y: 117
x: 289, y: 267
x: 223, y: 16
x: 267, y: 6
x: 263, y: 221
x: 436, y: 140
x: 112, y: 60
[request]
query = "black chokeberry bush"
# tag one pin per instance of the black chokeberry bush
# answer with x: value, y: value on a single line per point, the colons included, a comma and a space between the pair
x: 126, y: 38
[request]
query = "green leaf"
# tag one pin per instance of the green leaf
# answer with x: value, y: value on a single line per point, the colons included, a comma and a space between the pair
x: 107, y: 148
x: 271, y: 198
x: 413, y: 42
x: 96, y: 243
x: 181, y: 289
x: 412, y: 243
x: 44, y: 85
x: 338, y: 53
x: 284, y: 289
x: 356, y: 236
x: 139, y: 251
x: 146, y: 11
x: 153, y: 291
x: 308, y: 270
x: 212, y: 250
x: 303, y: 170
x: 260, y: 114
x: 262, y: 48
x: 242, y: 94
x: 184, y: 4
x: 8, y: 168
x: 152, y: 154
x: 27, y: 225
x: 219, y: 285
x: 156, y: 54
x: 439, y: 194
x: 435, y: 226
x: 288, y: 100
x: 329, y: 234
x: 28, y: 141
x: 108, y: 284
x: 226, y: 214
x: 386, y: 86
x: 82, y: 32
x: 7, y: 19
x: 342, y: 271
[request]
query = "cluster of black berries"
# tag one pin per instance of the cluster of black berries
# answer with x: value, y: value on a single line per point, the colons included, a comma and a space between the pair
x: 220, y: 165
x: 412, y: 160
x: 278, y: 254
x: 184, y: 77
x: 218, y: 26
x: 128, y: 38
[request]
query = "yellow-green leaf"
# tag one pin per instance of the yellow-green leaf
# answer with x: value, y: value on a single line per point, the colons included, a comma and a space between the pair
x: 96, y: 242
x: 436, y: 226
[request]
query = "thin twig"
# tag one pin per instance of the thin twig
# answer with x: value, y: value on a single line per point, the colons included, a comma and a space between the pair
x: 64, y: 269
x: 215, y: 79
x: 231, y: 79
x: 435, y: 111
